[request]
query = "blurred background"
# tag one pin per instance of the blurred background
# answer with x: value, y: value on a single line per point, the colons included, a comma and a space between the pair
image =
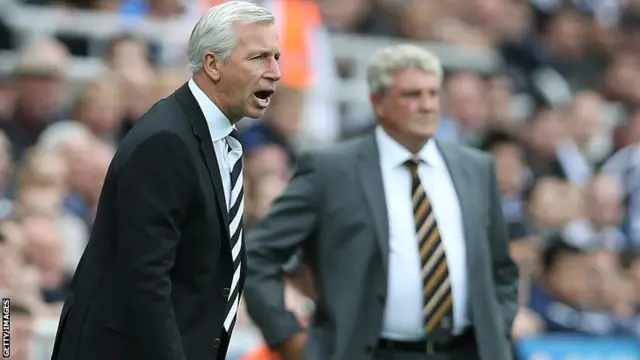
x: 550, y: 87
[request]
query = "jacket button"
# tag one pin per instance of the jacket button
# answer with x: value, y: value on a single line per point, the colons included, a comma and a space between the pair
x: 225, y: 292
x: 381, y: 299
x: 368, y: 349
x: 215, y: 343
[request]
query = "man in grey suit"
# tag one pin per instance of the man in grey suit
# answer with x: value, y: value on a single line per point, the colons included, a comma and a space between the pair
x: 404, y: 234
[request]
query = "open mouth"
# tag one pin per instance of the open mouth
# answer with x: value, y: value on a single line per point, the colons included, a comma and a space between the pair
x: 263, y: 97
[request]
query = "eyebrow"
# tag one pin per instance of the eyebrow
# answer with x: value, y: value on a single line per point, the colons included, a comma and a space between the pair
x: 265, y: 51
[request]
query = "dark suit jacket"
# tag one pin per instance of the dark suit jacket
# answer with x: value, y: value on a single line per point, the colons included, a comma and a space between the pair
x: 334, y: 208
x: 154, y: 279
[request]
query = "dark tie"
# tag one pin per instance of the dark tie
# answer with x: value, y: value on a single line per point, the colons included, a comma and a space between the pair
x: 236, y: 210
x: 438, y: 300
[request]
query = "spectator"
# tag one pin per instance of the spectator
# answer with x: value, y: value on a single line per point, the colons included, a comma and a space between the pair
x: 39, y: 83
x: 512, y: 178
x: 88, y: 162
x: 559, y: 115
x: 564, y: 299
x: 545, y: 133
x: 42, y: 192
x: 625, y: 165
x: 554, y: 203
x: 265, y: 188
x: 600, y: 225
x: 127, y: 51
x: 99, y: 107
x: 465, y: 105
x: 44, y: 249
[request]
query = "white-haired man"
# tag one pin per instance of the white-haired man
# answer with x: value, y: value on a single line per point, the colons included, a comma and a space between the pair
x: 162, y: 274
x: 404, y: 234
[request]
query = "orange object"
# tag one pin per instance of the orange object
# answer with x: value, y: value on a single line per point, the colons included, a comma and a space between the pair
x: 297, y: 22
x: 263, y: 352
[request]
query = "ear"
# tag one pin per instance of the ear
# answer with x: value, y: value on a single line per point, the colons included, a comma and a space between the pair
x: 211, y: 64
x: 377, y: 103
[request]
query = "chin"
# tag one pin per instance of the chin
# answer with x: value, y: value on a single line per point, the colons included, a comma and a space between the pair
x: 425, y: 134
x: 255, y: 113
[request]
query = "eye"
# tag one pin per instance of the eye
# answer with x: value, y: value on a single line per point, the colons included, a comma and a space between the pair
x: 411, y: 94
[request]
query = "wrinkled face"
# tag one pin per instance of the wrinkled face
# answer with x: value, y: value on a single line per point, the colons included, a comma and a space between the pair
x: 410, y: 107
x: 247, y: 79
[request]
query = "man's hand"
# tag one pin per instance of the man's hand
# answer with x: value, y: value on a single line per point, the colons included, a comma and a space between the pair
x: 527, y: 323
x: 293, y: 347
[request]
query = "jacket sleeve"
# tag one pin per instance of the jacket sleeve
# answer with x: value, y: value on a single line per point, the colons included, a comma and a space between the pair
x: 290, y: 223
x: 154, y: 189
x: 505, y: 271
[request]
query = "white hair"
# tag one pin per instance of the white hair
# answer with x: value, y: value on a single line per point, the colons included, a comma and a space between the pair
x: 386, y: 61
x: 215, y: 30
x: 56, y: 135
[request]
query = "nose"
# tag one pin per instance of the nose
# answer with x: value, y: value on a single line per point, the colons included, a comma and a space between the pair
x: 428, y: 104
x: 274, y: 71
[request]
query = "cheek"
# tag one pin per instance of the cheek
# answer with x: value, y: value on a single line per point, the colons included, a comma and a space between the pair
x: 410, y: 107
x: 235, y: 84
x: 402, y: 111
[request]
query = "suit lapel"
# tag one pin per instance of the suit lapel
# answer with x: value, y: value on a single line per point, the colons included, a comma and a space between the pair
x: 201, y: 130
x: 465, y: 189
x: 370, y: 176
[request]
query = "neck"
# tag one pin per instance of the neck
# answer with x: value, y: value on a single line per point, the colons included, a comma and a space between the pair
x: 410, y: 143
x: 210, y: 90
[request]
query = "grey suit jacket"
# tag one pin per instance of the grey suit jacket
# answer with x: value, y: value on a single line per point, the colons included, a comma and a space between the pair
x: 334, y: 209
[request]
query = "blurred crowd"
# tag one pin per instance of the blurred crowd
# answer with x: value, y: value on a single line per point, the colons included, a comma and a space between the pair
x: 568, y: 166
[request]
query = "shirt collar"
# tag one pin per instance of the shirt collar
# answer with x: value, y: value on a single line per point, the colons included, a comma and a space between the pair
x: 219, y: 125
x: 392, y: 154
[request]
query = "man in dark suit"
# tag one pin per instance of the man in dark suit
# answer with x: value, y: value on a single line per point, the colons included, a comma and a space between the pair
x: 163, y: 271
x: 404, y: 234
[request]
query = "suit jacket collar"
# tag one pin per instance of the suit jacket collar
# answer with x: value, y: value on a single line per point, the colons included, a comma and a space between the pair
x: 468, y: 191
x: 218, y: 123
x: 201, y: 130
x: 393, y: 154
x: 370, y: 175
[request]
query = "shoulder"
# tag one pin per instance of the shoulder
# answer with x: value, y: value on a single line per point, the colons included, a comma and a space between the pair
x: 337, y: 155
x: 333, y: 158
x: 467, y: 154
x: 344, y: 150
x: 165, y: 128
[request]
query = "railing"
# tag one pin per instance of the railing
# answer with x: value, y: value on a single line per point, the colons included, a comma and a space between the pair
x: 352, y: 50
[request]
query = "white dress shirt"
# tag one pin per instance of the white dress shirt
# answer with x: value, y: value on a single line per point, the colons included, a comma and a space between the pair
x: 403, y: 319
x: 219, y: 127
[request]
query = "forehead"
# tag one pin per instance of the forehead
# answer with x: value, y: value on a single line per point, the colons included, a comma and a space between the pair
x: 257, y: 37
x: 407, y: 79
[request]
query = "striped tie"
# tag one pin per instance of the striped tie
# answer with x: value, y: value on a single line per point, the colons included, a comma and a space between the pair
x: 236, y: 210
x: 438, y: 300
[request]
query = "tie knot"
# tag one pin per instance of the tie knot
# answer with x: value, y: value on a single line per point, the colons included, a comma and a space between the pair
x: 412, y: 164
